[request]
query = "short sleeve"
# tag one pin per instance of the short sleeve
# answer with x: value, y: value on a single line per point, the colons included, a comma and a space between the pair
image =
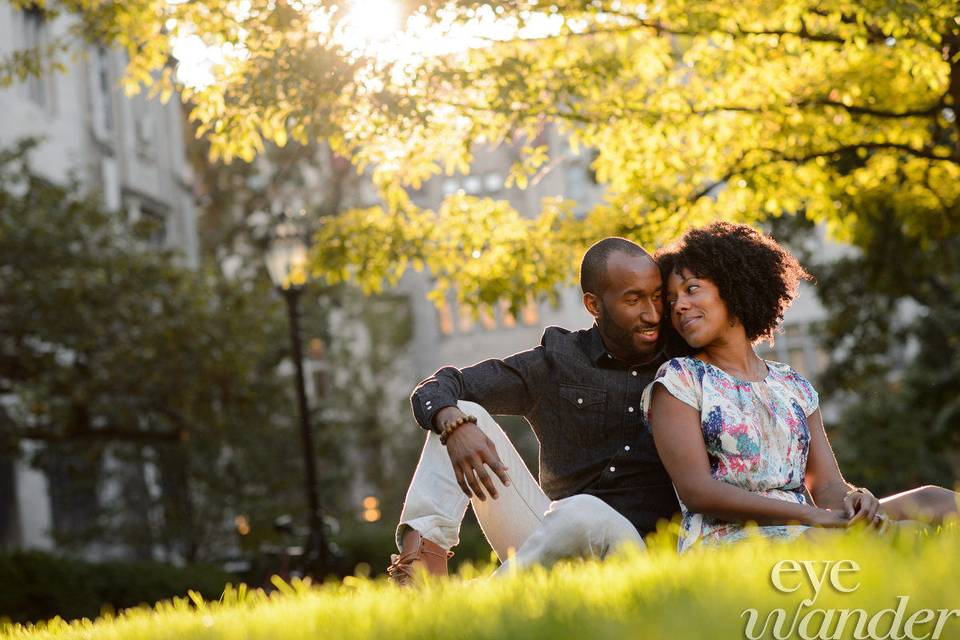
x: 680, y: 381
x: 804, y: 392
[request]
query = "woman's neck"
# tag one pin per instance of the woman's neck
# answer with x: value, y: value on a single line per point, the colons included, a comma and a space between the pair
x: 735, y: 355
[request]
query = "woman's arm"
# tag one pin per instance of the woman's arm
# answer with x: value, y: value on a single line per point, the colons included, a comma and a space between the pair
x: 825, y: 482
x: 679, y: 441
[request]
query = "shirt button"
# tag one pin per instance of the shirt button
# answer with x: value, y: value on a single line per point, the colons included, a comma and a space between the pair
x: 630, y: 409
x: 579, y: 400
x: 626, y: 447
x: 633, y: 373
x: 612, y: 469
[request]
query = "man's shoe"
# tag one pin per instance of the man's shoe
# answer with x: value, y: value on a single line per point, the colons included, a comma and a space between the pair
x: 418, y: 555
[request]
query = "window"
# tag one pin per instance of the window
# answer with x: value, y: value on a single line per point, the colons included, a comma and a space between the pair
x: 73, y: 478
x: 157, y: 234
x: 104, y: 89
x: 486, y: 184
x: 450, y: 185
x: 9, y: 525
x: 149, y: 222
x: 320, y: 383
x: 39, y: 89
x: 467, y: 321
x: 798, y: 347
x: 487, y: 319
x: 576, y: 177
x: 445, y: 318
x: 473, y: 185
x: 530, y: 314
x: 506, y: 317
x: 493, y: 183
x: 144, y: 128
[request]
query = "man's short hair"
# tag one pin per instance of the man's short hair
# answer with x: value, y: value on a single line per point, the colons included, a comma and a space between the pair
x: 593, y: 269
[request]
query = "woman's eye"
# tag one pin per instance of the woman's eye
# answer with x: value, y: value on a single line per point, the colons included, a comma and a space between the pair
x: 693, y: 287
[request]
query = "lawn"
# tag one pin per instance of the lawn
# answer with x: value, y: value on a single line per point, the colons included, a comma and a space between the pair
x: 909, y: 581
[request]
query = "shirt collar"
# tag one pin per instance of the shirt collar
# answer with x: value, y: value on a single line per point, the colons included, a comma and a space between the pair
x: 595, y: 349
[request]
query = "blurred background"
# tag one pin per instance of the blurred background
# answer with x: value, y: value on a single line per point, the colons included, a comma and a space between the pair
x: 150, y: 433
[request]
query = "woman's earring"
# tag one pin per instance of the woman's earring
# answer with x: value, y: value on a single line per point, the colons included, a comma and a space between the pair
x: 733, y: 322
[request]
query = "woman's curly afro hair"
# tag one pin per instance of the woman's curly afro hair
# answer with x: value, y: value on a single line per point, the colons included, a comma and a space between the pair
x: 757, y: 278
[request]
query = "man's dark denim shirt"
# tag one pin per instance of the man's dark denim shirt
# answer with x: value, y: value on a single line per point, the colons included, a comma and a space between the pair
x: 584, y: 406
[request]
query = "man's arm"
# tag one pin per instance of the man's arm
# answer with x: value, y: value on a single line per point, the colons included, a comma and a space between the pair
x: 511, y: 386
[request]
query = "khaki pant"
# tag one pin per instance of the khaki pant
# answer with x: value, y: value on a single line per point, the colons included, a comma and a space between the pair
x: 522, y: 520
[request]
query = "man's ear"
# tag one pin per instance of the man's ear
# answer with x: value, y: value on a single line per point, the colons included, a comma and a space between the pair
x: 592, y: 303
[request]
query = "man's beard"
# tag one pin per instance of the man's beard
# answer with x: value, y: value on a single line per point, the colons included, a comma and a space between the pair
x: 622, y: 339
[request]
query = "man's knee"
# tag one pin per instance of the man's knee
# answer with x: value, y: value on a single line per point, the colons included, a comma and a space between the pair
x: 484, y: 420
x: 932, y: 496
x: 588, y: 525
x: 586, y: 514
x: 474, y: 409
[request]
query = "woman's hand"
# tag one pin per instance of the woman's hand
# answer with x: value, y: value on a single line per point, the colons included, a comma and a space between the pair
x: 829, y: 519
x: 861, y: 506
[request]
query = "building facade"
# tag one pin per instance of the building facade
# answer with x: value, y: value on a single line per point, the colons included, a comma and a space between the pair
x: 130, y: 151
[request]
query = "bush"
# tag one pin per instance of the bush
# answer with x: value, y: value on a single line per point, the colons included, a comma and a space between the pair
x: 38, y: 586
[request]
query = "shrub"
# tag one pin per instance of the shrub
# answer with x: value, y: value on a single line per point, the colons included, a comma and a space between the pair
x: 39, y: 586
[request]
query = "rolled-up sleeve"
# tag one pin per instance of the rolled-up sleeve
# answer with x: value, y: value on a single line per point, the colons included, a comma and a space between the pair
x: 511, y: 386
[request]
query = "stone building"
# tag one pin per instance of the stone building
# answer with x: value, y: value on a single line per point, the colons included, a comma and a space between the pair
x: 128, y: 150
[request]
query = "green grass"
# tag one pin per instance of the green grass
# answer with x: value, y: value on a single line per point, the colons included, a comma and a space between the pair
x: 652, y: 594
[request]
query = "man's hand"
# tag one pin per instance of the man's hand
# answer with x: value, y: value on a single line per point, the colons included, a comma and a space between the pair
x: 471, y: 451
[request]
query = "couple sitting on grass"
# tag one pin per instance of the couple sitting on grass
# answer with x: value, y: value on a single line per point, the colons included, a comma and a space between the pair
x: 663, y: 398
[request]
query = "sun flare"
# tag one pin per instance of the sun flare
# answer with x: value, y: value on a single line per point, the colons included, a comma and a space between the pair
x: 370, y: 25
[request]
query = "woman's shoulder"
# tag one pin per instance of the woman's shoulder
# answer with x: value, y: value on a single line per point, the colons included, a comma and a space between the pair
x: 682, y: 371
x: 796, y: 382
x: 685, y: 365
x: 786, y: 372
x: 682, y: 378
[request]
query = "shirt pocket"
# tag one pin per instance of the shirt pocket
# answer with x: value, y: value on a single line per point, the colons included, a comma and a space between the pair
x: 585, y: 408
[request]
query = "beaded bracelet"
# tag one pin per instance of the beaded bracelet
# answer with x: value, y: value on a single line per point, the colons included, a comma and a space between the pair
x: 449, y: 427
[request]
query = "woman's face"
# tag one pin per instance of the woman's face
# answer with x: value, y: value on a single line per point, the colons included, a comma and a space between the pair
x: 697, y: 311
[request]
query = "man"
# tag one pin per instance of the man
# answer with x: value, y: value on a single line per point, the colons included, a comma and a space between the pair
x: 601, y: 481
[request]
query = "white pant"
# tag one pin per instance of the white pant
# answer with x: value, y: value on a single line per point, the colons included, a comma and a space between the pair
x: 522, y: 519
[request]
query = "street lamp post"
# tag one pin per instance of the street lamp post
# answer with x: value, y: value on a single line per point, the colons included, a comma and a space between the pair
x: 287, y: 263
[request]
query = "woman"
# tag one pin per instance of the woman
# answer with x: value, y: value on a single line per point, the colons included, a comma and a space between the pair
x: 741, y: 437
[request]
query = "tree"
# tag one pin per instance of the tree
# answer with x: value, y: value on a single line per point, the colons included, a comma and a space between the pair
x: 111, y: 350
x: 695, y: 111
x: 358, y: 346
x: 893, y: 309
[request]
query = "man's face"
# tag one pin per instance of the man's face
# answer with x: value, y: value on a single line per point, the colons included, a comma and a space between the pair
x: 628, y: 311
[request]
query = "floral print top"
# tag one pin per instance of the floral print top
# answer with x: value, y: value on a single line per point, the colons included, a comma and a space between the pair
x: 756, y: 435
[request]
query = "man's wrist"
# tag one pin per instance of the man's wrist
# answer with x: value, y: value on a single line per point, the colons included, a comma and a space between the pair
x: 445, y: 414
x: 449, y: 427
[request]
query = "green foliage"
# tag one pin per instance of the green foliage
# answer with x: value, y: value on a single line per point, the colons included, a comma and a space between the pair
x: 893, y: 309
x: 49, y: 585
x: 695, y: 111
x: 113, y: 347
x: 654, y: 594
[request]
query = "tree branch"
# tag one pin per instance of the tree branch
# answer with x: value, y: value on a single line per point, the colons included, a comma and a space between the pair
x: 874, y: 34
x: 779, y: 157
